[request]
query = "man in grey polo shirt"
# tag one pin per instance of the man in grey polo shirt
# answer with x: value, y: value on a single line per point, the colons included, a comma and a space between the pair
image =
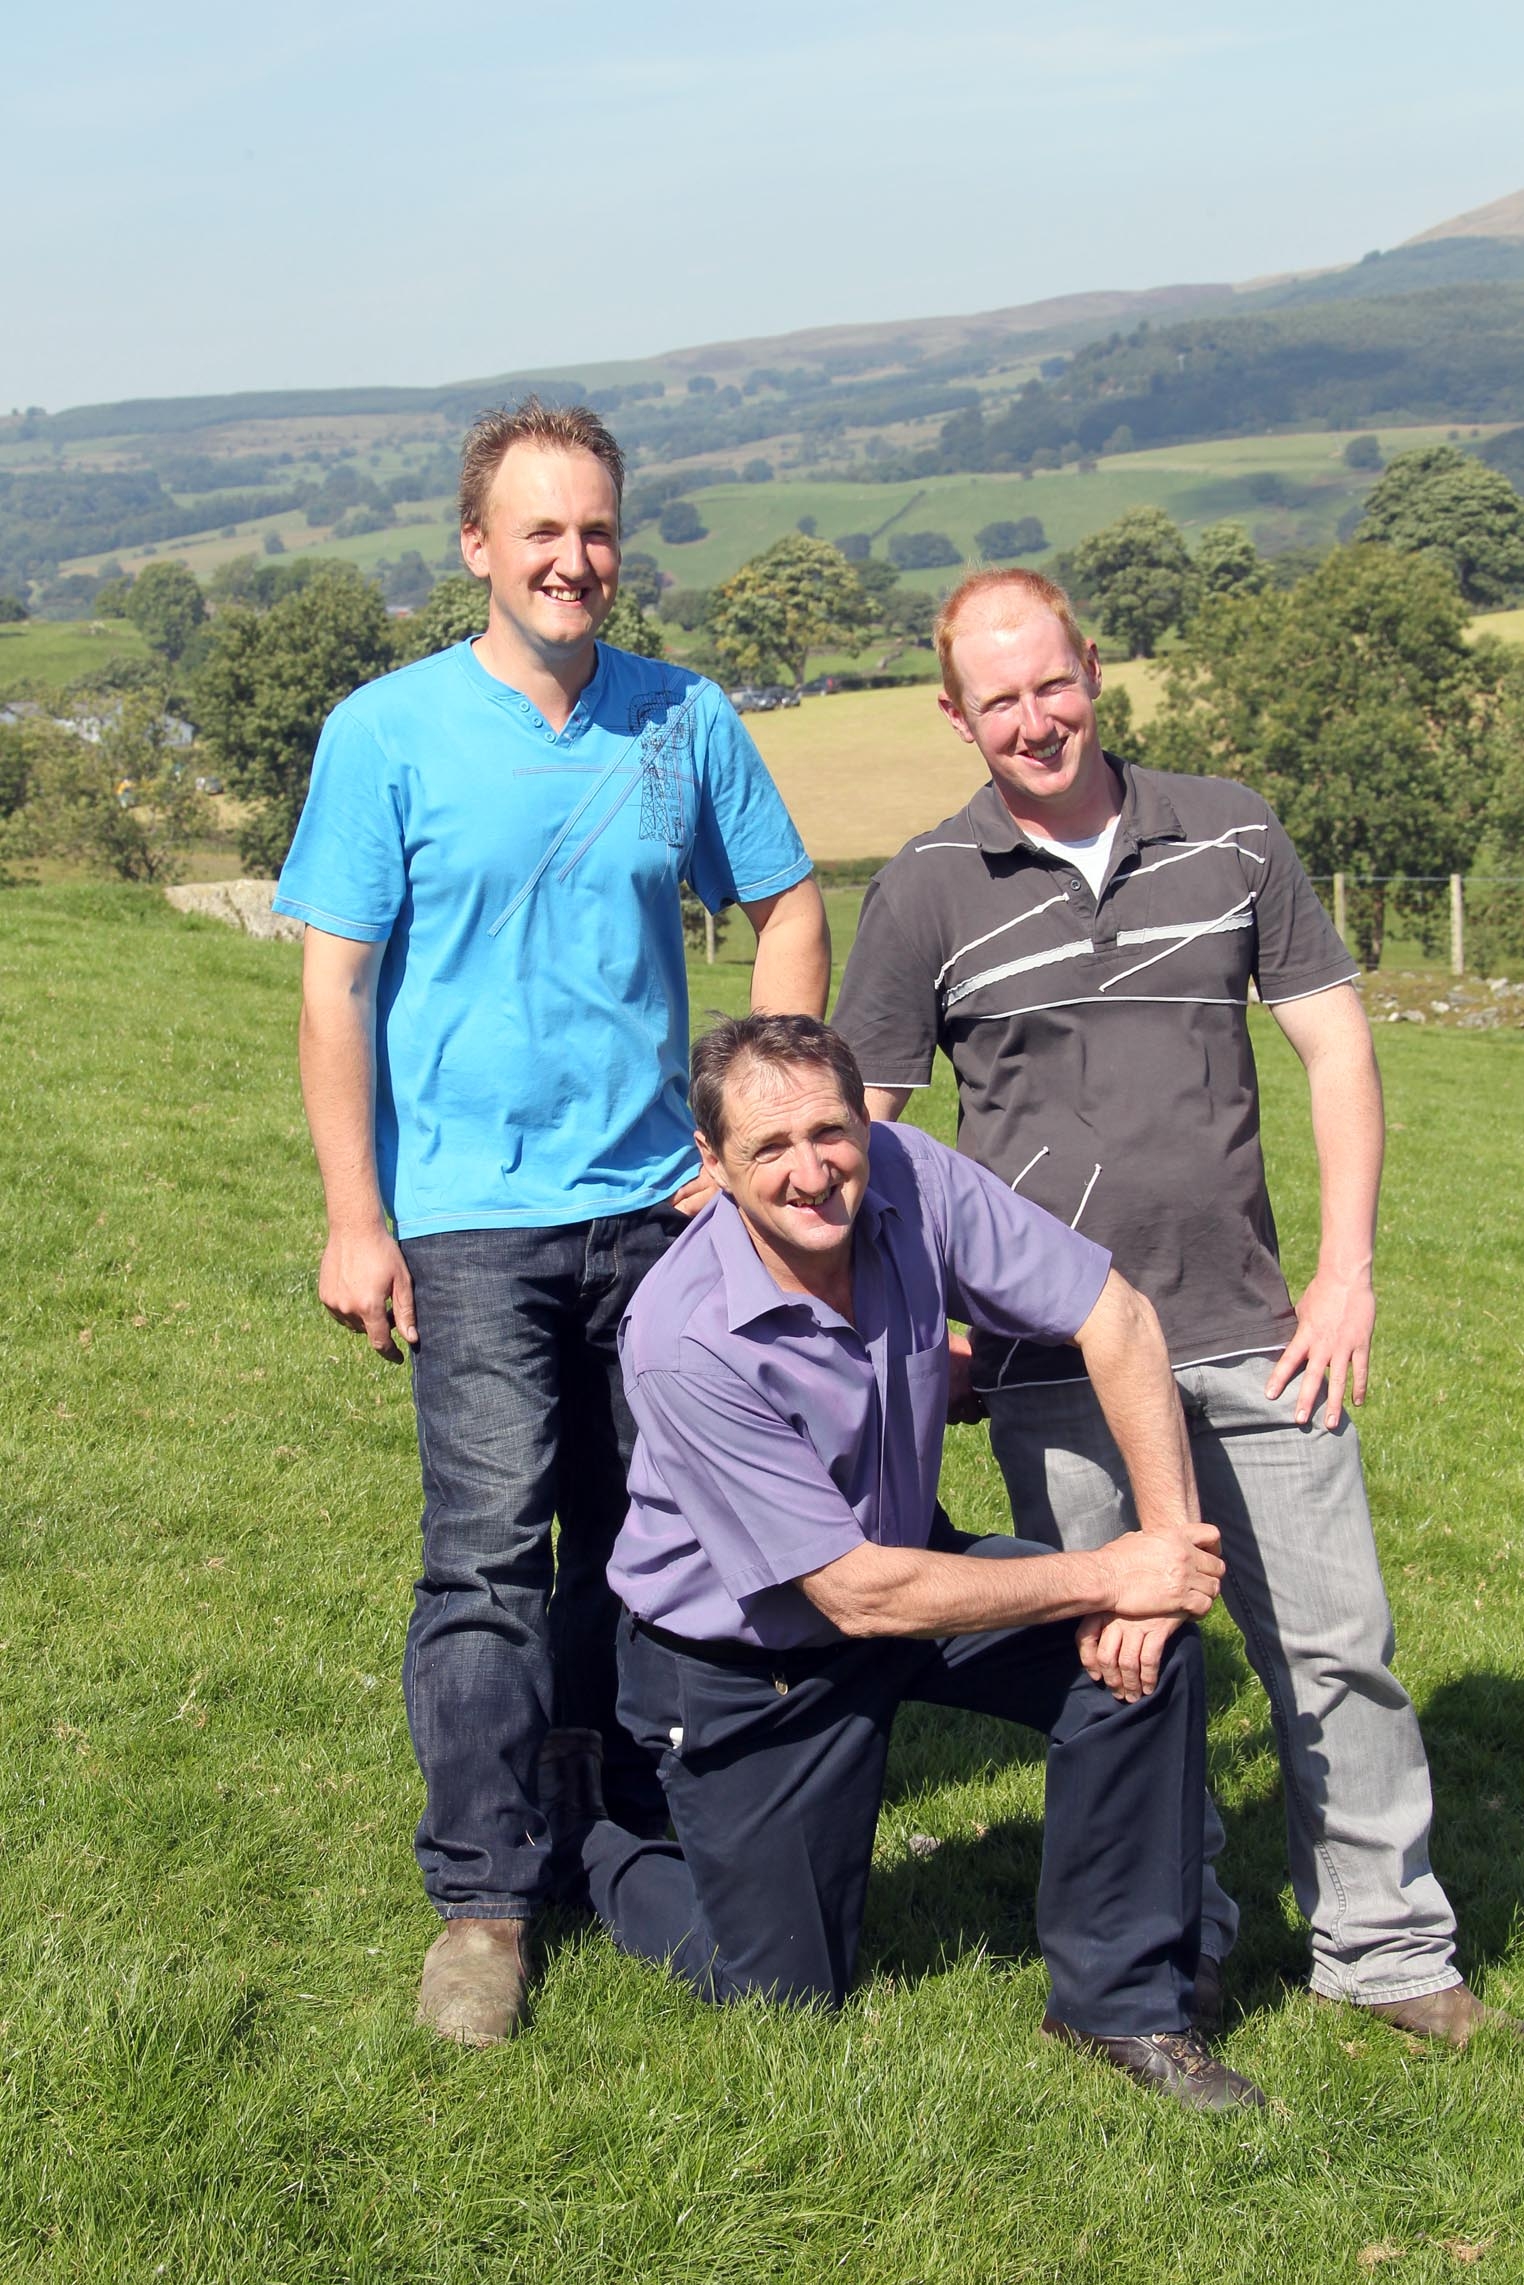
x: 1080, y: 940
x: 787, y: 1368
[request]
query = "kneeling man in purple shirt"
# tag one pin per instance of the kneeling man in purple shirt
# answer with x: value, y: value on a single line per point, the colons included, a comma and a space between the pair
x: 790, y: 1581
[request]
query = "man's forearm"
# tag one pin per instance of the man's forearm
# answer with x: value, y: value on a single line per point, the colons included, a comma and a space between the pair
x: 337, y: 1056
x: 877, y: 1590
x: 910, y: 1591
x: 1128, y: 1363
x: 1349, y: 1131
x: 792, y: 971
x: 886, y: 1103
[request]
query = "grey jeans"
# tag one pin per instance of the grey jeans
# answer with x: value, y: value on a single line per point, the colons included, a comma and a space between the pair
x: 1304, y: 1588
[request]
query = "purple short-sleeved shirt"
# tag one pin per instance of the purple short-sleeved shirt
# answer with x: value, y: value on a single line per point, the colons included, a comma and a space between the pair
x: 774, y: 1436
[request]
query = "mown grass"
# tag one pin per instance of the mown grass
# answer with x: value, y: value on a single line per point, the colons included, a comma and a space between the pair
x: 56, y: 652
x: 212, y: 1924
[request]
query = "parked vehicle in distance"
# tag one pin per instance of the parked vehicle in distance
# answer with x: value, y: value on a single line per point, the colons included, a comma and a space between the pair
x: 820, y: 686
x: 779, y: 694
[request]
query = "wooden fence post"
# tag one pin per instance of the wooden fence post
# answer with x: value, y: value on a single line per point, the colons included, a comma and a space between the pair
x: 1341, y: 909
x: 709, y: 939
x: 1457, y: 925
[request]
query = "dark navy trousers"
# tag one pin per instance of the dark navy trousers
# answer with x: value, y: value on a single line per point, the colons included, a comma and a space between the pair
x: 774, y: 1771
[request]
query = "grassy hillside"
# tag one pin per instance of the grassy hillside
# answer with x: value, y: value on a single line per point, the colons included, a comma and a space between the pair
x: 55, y: 653
x: 212, y: 1921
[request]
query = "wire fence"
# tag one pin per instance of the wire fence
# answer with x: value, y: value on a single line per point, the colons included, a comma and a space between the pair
x: 1476, y: 919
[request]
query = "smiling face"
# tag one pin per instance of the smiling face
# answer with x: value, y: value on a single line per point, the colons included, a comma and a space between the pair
x: 795, y: 1160
x: 550, y: 551
x: 1019, y: 694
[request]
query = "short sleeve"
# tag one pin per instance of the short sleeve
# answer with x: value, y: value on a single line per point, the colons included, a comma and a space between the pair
x: 887, y: 1010
x: 751, y: 1489
x: 745, y: 846
x: 1011, y: 1268
x: 346, y: 872
x: 1298, y: 950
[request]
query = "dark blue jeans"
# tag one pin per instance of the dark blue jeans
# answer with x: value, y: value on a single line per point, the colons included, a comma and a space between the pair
x: 521, y: 1418
x: 774, y: 1772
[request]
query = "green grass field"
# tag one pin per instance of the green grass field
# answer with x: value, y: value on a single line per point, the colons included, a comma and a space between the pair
x: 212, y: 1926
x: 56, y: 652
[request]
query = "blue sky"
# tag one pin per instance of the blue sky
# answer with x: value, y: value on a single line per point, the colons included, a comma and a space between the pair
x: 325, y: 194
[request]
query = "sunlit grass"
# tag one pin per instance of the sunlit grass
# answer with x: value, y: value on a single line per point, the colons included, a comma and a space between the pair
x: 212, y: 1923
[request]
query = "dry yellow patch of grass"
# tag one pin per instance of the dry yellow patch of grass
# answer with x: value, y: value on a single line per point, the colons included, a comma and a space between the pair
x: 863, y: 771
x: 1508, y: 626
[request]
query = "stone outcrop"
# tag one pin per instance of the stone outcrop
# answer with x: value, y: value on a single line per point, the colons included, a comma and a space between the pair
x: 242, y: 904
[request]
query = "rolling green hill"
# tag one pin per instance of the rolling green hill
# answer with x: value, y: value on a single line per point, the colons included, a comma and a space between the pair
x: 1207, y: 400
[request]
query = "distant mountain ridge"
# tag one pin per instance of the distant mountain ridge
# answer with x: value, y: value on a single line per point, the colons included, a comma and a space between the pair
x: 1485, y: 246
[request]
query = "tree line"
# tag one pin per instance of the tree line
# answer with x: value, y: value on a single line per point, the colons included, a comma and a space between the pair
x: 1351, y: 696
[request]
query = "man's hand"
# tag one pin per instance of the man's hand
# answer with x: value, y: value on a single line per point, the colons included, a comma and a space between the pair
x: 1176, y: 1574
x: 363, y: 1281
x: 1334, y: 1321
x: 1124, y: 1653
x: 694, y: 1194
x: 1162, y: 1574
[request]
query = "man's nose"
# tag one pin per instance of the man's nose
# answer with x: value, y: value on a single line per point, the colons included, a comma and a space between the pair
x: 809, y: 1172
x: 572, y: 557
x: 1032, y: 720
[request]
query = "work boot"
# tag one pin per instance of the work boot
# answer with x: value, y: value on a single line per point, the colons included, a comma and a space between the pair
x: 1175, y: 2063
x: 1450, y: 2016
x: 476, y: 1981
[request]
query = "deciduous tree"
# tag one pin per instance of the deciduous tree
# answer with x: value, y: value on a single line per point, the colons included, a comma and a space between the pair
x: 1011, y: 536
x: 1442, y: 502
x: 1228, y: 563
x: 269, y: 684
x: 166, y: 605
x: 799, y: 595
x: 1353, y: 703
x: 1139, y: 575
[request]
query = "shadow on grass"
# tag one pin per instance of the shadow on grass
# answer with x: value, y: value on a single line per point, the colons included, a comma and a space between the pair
x: 976, y: 1892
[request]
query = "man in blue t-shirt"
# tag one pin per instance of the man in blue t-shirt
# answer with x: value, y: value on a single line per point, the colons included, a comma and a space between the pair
x: 494, y: 1060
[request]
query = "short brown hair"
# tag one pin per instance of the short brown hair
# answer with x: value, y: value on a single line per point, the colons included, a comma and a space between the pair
x: 555, y: 428
x: 774, y: 1042
x: 1029, y: 593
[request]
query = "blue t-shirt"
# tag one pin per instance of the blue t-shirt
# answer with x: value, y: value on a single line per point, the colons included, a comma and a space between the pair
x: 532, y: 1014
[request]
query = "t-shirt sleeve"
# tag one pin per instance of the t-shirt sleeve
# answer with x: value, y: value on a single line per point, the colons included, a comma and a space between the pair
x: 887, y: 1009
x: 1012, y: 1269
x: 745, y: 846
x: 751, y: 1488
x: 345, y: 873
x: 1297, y: 948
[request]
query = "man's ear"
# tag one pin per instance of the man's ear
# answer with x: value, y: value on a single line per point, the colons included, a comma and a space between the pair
x: 954, y: 715
x: 711, y: 1159
x: 471, y: 550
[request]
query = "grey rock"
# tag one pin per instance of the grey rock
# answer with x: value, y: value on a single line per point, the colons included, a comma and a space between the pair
x: 241, y: 904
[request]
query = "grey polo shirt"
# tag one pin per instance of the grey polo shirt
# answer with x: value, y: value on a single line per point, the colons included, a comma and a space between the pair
x: 1101, y: 1045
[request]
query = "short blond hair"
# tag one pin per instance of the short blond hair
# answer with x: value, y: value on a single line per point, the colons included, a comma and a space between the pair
x: 1028, y: 593
x: 554, y: 428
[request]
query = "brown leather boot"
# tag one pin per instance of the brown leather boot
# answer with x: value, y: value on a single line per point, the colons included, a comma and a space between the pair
x: 1175, y: 2063
x: 476, y: 1981
x: 1450, y: 2015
